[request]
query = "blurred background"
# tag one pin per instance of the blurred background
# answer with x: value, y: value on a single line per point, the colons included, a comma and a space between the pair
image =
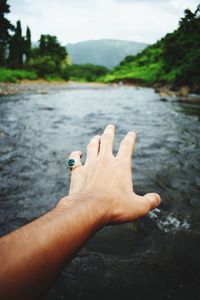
x: 68, y: 68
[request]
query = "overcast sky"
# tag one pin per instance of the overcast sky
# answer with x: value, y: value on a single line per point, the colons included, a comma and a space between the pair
x: 78, y: 20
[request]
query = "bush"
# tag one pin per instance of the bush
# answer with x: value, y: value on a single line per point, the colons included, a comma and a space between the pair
x: 87, y: 72
x: 8, y: 75
x: 42, y: 65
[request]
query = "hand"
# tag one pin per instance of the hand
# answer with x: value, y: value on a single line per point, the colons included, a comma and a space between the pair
x: 107, y: 179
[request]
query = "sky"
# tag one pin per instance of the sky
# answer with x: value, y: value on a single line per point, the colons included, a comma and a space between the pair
x: 79, y: 20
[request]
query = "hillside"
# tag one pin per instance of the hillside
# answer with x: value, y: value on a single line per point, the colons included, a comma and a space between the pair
x: 107, y: 53
x: 174, y: 60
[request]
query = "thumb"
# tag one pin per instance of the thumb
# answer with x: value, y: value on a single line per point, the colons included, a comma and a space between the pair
x: 152, y: 199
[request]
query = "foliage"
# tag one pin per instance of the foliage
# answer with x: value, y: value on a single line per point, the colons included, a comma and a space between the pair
x: 9, y: 75
x: 49, y: 45
x: 182, y: 49
x: 49, y: 58
x: 27, y: 45
x: 85, y: 72
x: 174, y: 59
x: 42, y: 65
x: 16, y: 48
x: 5, y: 28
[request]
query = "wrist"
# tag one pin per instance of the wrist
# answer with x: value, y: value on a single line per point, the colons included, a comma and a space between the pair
x: 86, y: 202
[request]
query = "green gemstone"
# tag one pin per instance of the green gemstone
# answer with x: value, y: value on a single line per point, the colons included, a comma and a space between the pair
x: 71, y: 162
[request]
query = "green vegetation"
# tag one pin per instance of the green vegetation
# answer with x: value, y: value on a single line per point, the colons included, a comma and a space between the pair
x: 84, y: 73
x: 9, y: 75
x: 5, y: 29
x: 144, y: 67
x: 175, y: 59
x: 49, y: 60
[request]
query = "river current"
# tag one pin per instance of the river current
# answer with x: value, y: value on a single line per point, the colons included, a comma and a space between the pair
x: 156, y: 257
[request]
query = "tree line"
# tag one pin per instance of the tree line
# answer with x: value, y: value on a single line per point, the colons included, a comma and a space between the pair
x: 173, y: 60
x: 48, y: 59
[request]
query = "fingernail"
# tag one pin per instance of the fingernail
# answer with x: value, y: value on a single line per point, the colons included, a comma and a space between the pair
x: 132, y: 133
x: 158, y: 199
x: 110, y: 126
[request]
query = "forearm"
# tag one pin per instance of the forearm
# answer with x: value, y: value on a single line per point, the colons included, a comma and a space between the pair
x: 33, y: 256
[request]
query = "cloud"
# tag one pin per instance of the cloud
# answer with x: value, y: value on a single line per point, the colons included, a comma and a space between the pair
x: 78, y: 20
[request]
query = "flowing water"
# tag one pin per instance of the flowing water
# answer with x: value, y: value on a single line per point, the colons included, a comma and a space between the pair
x: 155, y: 257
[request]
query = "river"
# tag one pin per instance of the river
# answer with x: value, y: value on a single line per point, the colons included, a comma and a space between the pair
x: 156, y: 257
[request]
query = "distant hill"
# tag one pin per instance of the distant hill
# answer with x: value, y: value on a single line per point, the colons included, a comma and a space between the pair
x: 175, y: 59
x: 104, y: 52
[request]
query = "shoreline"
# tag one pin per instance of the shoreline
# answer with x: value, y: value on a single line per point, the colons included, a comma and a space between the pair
x: 181, y: 94
x: 41, y: 86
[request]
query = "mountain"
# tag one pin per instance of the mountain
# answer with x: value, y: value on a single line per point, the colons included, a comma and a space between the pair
x: 174, y: 60
x: 104, y: 52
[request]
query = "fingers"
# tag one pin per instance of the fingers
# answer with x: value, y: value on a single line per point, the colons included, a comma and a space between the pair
x: 93, y: 149
x: 107, y: 140
x: 76, y: 155
x: 143, y: 204
x: 76, y: 182
x: 127, y: 145
x: 151, y: 200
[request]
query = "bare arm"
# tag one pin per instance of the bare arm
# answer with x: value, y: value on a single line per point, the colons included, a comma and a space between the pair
x: 101, y: 193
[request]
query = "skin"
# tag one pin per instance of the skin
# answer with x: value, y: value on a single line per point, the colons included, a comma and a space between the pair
x: 101, y: 193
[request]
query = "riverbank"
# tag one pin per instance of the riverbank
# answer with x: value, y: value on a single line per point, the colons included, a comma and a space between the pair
x: 41, y: 86
x: 167, y: 92
x: 183, y: 94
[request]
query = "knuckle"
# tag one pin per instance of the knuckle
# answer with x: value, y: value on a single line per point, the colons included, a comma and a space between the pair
x: 126, y: 159
x: 125, y: 162
x: 104, y: 159
x: 125, y: 141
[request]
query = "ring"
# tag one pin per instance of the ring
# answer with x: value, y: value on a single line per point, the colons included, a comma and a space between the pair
x: 73, y: 163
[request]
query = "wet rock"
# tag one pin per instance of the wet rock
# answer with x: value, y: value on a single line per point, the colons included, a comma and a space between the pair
x: 165, y: 92
x: 183, y: 91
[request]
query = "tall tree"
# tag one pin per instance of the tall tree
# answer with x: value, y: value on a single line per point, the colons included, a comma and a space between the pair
x: 16, y: 48
x: 49, y: 58
x: 27, y: 46
x: 49, y: 45
x: 5, y: 27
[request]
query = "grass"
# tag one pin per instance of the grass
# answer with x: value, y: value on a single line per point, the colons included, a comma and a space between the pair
x: 146, y: 73
x: 9, y: 75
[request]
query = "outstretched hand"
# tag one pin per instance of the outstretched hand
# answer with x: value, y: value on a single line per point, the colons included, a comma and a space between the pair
x: 101, y: 193
x: 107, y: 179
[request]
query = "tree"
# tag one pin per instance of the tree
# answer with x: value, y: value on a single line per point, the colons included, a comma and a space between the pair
x: 16, y: 48
x: 181, y: 49
x: 49, y: 45
x: 27, y: 46
x: 5, y: 27
x: 50, y: 58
